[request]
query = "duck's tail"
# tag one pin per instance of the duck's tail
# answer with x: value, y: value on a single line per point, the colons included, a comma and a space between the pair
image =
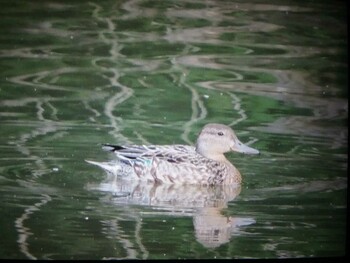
x: 111, y: 167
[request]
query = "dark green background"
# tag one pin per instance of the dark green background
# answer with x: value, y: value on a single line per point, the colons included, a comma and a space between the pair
x: 75, y: 74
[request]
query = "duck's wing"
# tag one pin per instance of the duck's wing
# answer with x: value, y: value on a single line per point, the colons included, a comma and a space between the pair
x: 145, y: 153
x: 167, y: 163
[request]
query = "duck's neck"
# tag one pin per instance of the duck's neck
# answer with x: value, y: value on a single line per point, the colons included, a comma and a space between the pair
x: 216, y: 157
x: 210, y: 154
x: 235, y: 176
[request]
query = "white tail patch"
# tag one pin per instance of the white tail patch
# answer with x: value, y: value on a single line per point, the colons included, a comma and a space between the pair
x: 111, y: 167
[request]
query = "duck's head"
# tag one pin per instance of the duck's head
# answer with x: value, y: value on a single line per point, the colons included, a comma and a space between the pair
x: 216, y: 139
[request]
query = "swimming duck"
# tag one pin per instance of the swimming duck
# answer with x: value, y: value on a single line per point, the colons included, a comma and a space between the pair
x: 204, y: 164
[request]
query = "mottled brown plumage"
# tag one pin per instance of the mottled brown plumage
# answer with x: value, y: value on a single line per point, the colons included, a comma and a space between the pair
x: 204, y: 164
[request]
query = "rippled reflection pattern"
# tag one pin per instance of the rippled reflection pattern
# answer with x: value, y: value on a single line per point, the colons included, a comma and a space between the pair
x: 76, y: 75
x: 203, y: 203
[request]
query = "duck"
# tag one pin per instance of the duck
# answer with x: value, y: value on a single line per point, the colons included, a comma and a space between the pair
x: 204, y: 163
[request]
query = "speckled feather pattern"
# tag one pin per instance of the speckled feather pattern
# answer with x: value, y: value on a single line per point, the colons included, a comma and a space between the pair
x: 204, y: 164
x: 173, y: 164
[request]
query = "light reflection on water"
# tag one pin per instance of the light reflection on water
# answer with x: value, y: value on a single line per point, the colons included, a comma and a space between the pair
x: 147, y: 72
x: 204, y: 204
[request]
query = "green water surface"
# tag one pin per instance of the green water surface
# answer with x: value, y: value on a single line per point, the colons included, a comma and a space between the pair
x: 76, y: 74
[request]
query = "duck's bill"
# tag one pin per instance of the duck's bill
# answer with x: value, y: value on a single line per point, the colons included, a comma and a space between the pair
x: 242, y: 148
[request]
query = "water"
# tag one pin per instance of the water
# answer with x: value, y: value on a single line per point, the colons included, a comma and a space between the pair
x: 77, y: 74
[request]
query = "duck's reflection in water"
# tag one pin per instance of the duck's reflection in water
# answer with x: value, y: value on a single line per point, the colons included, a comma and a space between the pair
x: 203, y: 203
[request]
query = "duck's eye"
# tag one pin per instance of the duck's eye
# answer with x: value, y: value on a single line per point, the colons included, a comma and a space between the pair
x: 220, y: 133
